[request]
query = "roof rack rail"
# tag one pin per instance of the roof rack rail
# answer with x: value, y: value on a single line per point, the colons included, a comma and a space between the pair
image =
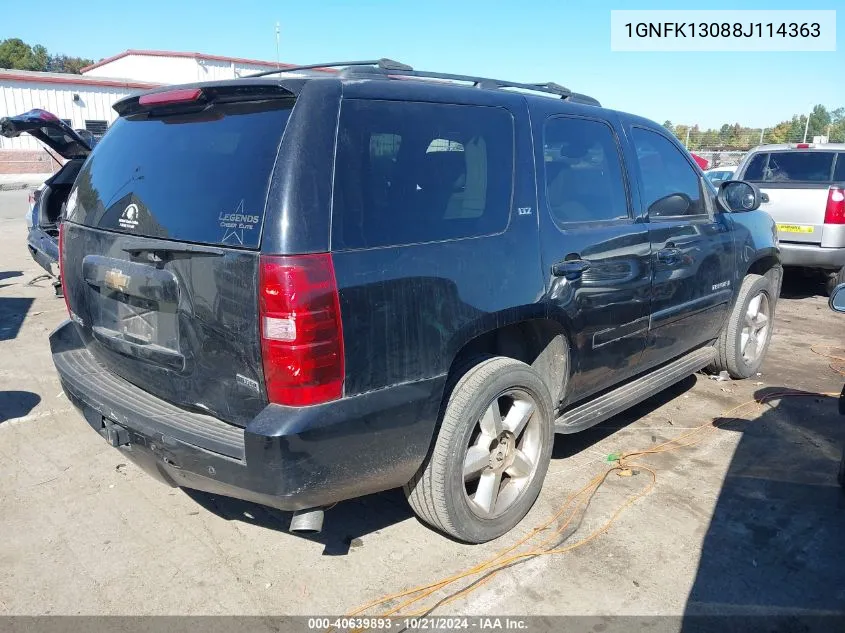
x: 391, y: 68
x: 383, y: 64
x: 487, y: 82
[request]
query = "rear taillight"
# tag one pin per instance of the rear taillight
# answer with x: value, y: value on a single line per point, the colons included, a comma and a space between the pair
x: 62, y: 264
x: 301, y: 331
x: 44, y: 115
x: 834, y: 213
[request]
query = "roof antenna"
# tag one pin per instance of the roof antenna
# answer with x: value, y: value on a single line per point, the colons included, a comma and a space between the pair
x: 278, y: 64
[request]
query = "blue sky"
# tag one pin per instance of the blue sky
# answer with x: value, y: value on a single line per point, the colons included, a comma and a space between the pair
x: 532, y: 40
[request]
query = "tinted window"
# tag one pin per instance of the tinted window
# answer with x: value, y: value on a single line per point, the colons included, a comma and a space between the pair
x: 197, y: 178
x: 420, y: 172
x: 797, y: 167
x: 665, y: 171
x: 584, y: 181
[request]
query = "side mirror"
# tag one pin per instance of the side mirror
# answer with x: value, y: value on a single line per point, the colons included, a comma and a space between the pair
x: 738, y: 196
x: 837, y: 299
x: 674, y: 204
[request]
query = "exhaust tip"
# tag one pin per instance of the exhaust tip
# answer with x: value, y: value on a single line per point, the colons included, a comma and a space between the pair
x: 307, y: 521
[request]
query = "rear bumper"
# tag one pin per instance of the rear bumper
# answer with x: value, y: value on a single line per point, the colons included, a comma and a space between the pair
x: 287, y: 458
x: 43, y: 248
x: 811, y: 256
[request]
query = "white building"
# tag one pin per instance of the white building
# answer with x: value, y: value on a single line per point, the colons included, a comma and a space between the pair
x: 84, y: 101
x: 171, y: 67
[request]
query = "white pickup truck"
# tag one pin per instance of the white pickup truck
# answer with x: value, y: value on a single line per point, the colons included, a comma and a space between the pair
x: 805, y: 187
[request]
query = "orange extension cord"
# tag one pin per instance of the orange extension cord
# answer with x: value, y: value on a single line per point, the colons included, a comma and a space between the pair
x: 576, y: 503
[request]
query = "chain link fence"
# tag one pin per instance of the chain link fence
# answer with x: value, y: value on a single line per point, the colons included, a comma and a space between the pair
x: 723, y: 149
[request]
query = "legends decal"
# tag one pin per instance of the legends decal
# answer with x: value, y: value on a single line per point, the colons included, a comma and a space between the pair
x: 234, y: 224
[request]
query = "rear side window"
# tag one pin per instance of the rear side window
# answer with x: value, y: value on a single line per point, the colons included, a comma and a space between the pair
x: 754, y: 171
x: 801, y: 166
x: 420, y: 172
x: 584, y: 181
x: 188, y: 177
x: 664, y: 172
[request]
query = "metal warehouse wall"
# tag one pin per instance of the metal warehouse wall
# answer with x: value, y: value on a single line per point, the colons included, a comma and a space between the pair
x: 161, y: 68
x: 20, y: 96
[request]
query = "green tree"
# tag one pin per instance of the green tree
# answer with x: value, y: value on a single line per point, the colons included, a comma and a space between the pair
x: 820, y: 119
x: 17, y: 54
x: 668, y: 125
x: 66, y: 64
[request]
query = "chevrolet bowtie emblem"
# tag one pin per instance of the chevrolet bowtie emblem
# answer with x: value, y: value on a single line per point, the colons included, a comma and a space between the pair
x: 116, y: 280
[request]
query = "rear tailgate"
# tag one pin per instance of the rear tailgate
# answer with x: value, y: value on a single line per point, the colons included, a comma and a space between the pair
x: 161, y: 250
x: 796, y: 182
x: 799, y: 213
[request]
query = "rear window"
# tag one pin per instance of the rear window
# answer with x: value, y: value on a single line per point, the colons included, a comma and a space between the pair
x: 189, y: 177
x: 801, y: 166
x: 420, y: 172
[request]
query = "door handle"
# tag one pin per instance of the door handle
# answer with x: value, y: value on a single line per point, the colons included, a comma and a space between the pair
x: 669, y: 255
x: 571, y: 268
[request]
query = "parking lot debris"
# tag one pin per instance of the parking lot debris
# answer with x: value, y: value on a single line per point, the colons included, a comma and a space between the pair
x: 722, y: 376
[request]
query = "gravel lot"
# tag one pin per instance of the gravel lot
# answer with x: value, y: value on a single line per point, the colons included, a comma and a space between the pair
x: 749, y: 520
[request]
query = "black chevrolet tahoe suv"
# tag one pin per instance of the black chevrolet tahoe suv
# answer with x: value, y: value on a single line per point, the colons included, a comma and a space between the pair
x: 301, y: 290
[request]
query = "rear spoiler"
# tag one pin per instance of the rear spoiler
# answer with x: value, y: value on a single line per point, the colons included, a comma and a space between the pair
x: 176, y: 98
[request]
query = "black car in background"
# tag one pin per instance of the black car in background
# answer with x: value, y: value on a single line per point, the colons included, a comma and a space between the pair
x: 49, y: 198
x: 297, y: 291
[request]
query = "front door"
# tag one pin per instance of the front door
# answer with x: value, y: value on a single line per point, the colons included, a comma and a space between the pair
x: 595, y: 251
x: 692, y: 249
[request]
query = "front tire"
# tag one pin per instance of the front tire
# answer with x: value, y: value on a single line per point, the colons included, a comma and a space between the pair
x: 491, y: 454
x: 745, y: 336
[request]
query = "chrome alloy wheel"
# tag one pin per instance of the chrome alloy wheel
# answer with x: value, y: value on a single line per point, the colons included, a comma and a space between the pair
x: 503, y: 452
x: 755, y: 328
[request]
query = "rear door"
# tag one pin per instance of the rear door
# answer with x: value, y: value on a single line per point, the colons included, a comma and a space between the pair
x: 596, y: 250
x: 691, y: 244
x: 161, y: 248
x: 796, y: 182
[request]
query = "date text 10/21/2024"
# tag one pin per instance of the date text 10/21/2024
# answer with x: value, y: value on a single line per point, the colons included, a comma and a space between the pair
x: 426, y: 623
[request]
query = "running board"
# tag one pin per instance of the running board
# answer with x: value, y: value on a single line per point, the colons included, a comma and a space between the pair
x: 616, y: 401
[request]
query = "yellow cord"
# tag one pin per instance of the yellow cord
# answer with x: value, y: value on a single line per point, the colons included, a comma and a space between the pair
x: 551, y: 545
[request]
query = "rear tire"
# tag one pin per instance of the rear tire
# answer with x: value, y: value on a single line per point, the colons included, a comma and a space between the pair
x: 834, y: 279
x: 744, y: 339
x: 491, y: 454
